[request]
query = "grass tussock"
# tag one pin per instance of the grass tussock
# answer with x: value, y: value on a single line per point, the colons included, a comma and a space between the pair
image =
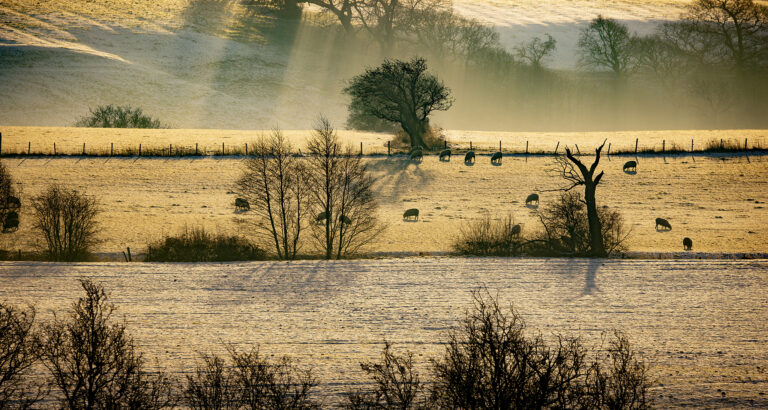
x: 489, y: 237
x: 199, y: 245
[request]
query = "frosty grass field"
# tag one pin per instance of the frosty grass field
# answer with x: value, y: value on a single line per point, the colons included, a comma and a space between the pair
x: 701, y: 324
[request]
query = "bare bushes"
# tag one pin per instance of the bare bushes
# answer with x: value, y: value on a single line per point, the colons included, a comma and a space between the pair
x: 198, y: 245
x: 489, y: 237
x: 18, y: 355
x: 67, y: 220
x: 396, y: 384
x: 566, y: 227
x: 491, y: 361
x: 93, y: 362
x: 112, y: 116
x: 248, y: 381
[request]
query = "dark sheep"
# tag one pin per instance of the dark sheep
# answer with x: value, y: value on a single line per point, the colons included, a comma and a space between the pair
x: 415, y: 155
x: 663, y: 223
x: 413, y: 212
x: 630, y: 166
x: 496, y: 158
x: 241, y: 204
x: 469, y: 157
x: 687, y: 244
x: 445, y: 153
x: 531, y: 199
x: 516, y: 230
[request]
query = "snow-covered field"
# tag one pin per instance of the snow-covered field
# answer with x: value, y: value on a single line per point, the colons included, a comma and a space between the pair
x: 700, y: 324
x: 718, y: 201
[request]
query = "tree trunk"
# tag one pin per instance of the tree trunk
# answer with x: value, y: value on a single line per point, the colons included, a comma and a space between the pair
x: 415, y: 130
x: 595, y: 226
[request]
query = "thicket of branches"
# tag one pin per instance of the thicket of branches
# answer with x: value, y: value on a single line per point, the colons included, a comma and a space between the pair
x: 85, y: 359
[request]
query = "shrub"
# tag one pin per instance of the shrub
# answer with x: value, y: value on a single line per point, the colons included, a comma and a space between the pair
x: 93, y: 362
x: 248, y: 381
x: 491, y: 362
x: 566, y: 227
x: 433, y: 138
x: 111, y: 116
x: 67, y: 220
x: 18, y: 354
x: 488, y: 237
x: 396, y: 384
x: 197, y: 245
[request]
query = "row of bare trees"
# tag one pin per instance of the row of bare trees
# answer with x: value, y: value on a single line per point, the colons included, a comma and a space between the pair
x: 326, y: 196
x: 86, y: 359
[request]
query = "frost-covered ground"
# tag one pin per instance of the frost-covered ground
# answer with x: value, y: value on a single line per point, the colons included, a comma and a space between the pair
x: 718, y: 201
x: 700, y: 324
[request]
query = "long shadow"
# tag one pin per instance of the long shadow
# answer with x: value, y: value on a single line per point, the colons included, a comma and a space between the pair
x: 590, y: 282
x: 397, y: 173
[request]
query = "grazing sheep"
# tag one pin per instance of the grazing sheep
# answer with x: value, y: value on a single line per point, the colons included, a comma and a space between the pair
x: 496, y: 158
x: 345, y: 220
x: 241, y: 204
x: 516, y: 230
x: 321, y: 218
x: 469, y: 157
x: 11, y: 222
x: 413, y: 212
x: 415, y: 155
x: 531, y: 199
x: 13, y: 202
x: 687, y: 244
x: 445, y: 153
x: 663, y: 223
x: 630, y: 166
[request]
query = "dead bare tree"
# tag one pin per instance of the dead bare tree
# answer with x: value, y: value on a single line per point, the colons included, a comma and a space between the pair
x: 342, y: 194
x: 273, y: 182
x: 577, y: 173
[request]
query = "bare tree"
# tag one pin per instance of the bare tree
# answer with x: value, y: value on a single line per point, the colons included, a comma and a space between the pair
x: 342, y: 194
x: 94, y: 362
x: 273, y: 182
x: 575, y: 172
x: 740, y: 28
x: 67, y: 220
x: 536, y: 50
x: 18, y: 354
x: 606, y: 44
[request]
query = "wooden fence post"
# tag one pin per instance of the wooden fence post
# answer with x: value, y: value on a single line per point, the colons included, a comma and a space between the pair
x: 556, y: 147
x: 470, y: 145
x: 361, y: 148
x: 111, y: 148
x: 691, y: 144
x: 139, y: 149
x: 388, y: 149
x: 246, y: 149
x: 636, y: 141
x: 222, y: 148
x: 663, y: 146
x: 29, y: 147
x: 609, y: 148
x: 54, y: 149
x: 526, y: 147
x: 196, y: 149
x: 83, y: 149
x: 745, y: 144
x: 526, y: 143
x: 1, y: 143
x: 578, y: 151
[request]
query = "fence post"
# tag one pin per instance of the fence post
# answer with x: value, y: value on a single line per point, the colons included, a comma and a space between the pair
x: 139, y: 149
x: 578, y: 151
x: 29, y: 147
x: 663, y: 146
x: 361, y: 148
x: 83, y: 149
x: 526, y: 147
x: 54, y: 149
x: 388, y: 149
x: 745, y: 144
x: 445, y: 144
x: 196, y: 149
x: 636, y: 140
x: 721, y: 143
x: 222, y: 148
x: 111, y: 148
x: 246, y: 149
x: 526, y: 143
x: 556, y: 147
x: 1, y: 143
x: 609, y: 148
x: 691, y: 144
x: 470, y: 145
